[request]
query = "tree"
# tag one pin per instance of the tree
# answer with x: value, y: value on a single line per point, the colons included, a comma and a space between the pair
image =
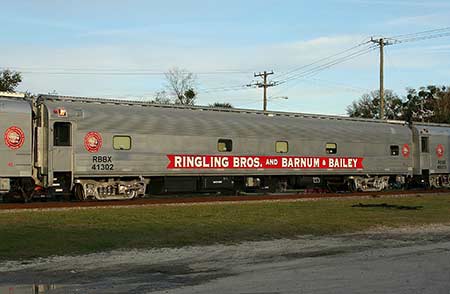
x: 9, y: 80
x: 161, y: 97
x: 429, y: 104
x: 442, y: 107
x: 221, y: 105
x: 368, y: 106
x: 420, y: 104
x: 181, y: 86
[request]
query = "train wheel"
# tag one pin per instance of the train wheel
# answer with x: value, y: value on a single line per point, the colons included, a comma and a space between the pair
x: 79, y: 192
x: 352, y: 186
x: 26, y: 195
x: 131, y: 194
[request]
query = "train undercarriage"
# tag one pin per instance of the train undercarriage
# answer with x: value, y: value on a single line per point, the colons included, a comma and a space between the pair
x: 109, y: 189
x: 128, y: 188
x: 439, y: 181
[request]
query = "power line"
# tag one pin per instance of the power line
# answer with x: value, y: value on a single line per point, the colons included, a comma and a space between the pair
x: 330, y: 63
x: 317, y: 69
x: 347, y: 54
x: 420, y: 38
x: 413, y: 37
x: 300, y: 72
x: 223, y: 89
x: 124, y: 72
x: 350, y: 88
x: 314, y: 70
x: 327, y: 65
x: 112, y: 72
x: 434, y: 31
x: 323, y: 59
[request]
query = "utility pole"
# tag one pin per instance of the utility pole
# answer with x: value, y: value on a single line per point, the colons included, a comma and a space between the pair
x: 265, y: 84
x: 381, y: 43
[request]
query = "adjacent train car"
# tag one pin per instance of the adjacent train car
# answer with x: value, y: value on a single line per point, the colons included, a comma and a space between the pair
x: 16, y: 150
x: 431, y: 142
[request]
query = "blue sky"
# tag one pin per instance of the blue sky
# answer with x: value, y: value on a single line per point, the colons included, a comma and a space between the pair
x: 64, y: 46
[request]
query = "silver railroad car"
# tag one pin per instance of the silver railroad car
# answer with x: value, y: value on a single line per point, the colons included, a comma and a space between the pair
x: 117, y: 149
x: 16, y: 156
x: 431, y: 145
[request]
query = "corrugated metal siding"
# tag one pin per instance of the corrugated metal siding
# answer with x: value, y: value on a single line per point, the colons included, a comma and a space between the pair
x: 15, y: 112
x: 157, y: 132
x: 437, y: 135
x: 166, y: 121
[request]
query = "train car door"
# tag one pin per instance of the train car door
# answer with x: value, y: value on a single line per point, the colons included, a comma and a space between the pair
x: 62, y: 157
x: 62, y: 147
x: 425, y: 160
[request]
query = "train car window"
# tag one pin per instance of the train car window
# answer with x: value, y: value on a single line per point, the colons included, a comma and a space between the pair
x: 122, y: 142
x: 61, y: 134
x: 281, y: 146
x: 424, y: 144
x: 395, y: 150
x: 224, y: 145
x: 331, y: 148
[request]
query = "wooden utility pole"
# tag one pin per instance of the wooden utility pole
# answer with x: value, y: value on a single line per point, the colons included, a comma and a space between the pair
x: 264, y: 85
x: 381, y: 78
x: 381, y: 43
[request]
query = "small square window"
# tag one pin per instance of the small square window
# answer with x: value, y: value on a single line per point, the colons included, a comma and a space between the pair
x: 395, y: 150
x: 122, y: 142
x: 331, y: 148
x: 424, y: 145
x: 281, y: 147
x: 224, y: 145
x: 62, y: 134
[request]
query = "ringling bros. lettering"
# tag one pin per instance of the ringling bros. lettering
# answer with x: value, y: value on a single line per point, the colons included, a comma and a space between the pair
x: 183, y: 161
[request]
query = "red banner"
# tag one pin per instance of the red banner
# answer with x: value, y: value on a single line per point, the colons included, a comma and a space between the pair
x: 185, y: 161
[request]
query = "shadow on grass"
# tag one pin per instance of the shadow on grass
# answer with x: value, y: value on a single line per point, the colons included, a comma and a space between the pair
x: 388, y: 206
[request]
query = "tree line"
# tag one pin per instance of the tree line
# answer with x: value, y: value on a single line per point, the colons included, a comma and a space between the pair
x: 425, y: 104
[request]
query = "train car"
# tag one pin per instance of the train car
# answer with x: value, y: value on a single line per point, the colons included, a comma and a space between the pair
x: 113, y: 149
x: 16, y: 150
x: 431, y: 142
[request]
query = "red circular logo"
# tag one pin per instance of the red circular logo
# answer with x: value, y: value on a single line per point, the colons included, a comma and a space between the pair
x: 93, y: 142
x: 440, y: 150
x: 405, y: 150
x: 14, y: 137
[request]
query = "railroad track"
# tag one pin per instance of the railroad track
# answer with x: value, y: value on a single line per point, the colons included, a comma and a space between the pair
x: 210, y: 199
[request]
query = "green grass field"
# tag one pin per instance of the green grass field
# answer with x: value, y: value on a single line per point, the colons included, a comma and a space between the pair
x: 27, y: 234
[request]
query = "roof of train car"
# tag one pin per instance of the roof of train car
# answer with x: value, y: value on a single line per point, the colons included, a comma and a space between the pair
x: 195, y: 120
x: 12, y: 94
x: 431, y: 129
x: 103, y: 101
x: 9, y: 104
x: 46, y: 97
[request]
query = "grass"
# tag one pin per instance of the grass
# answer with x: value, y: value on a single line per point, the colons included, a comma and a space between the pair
x: 28, y: 234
